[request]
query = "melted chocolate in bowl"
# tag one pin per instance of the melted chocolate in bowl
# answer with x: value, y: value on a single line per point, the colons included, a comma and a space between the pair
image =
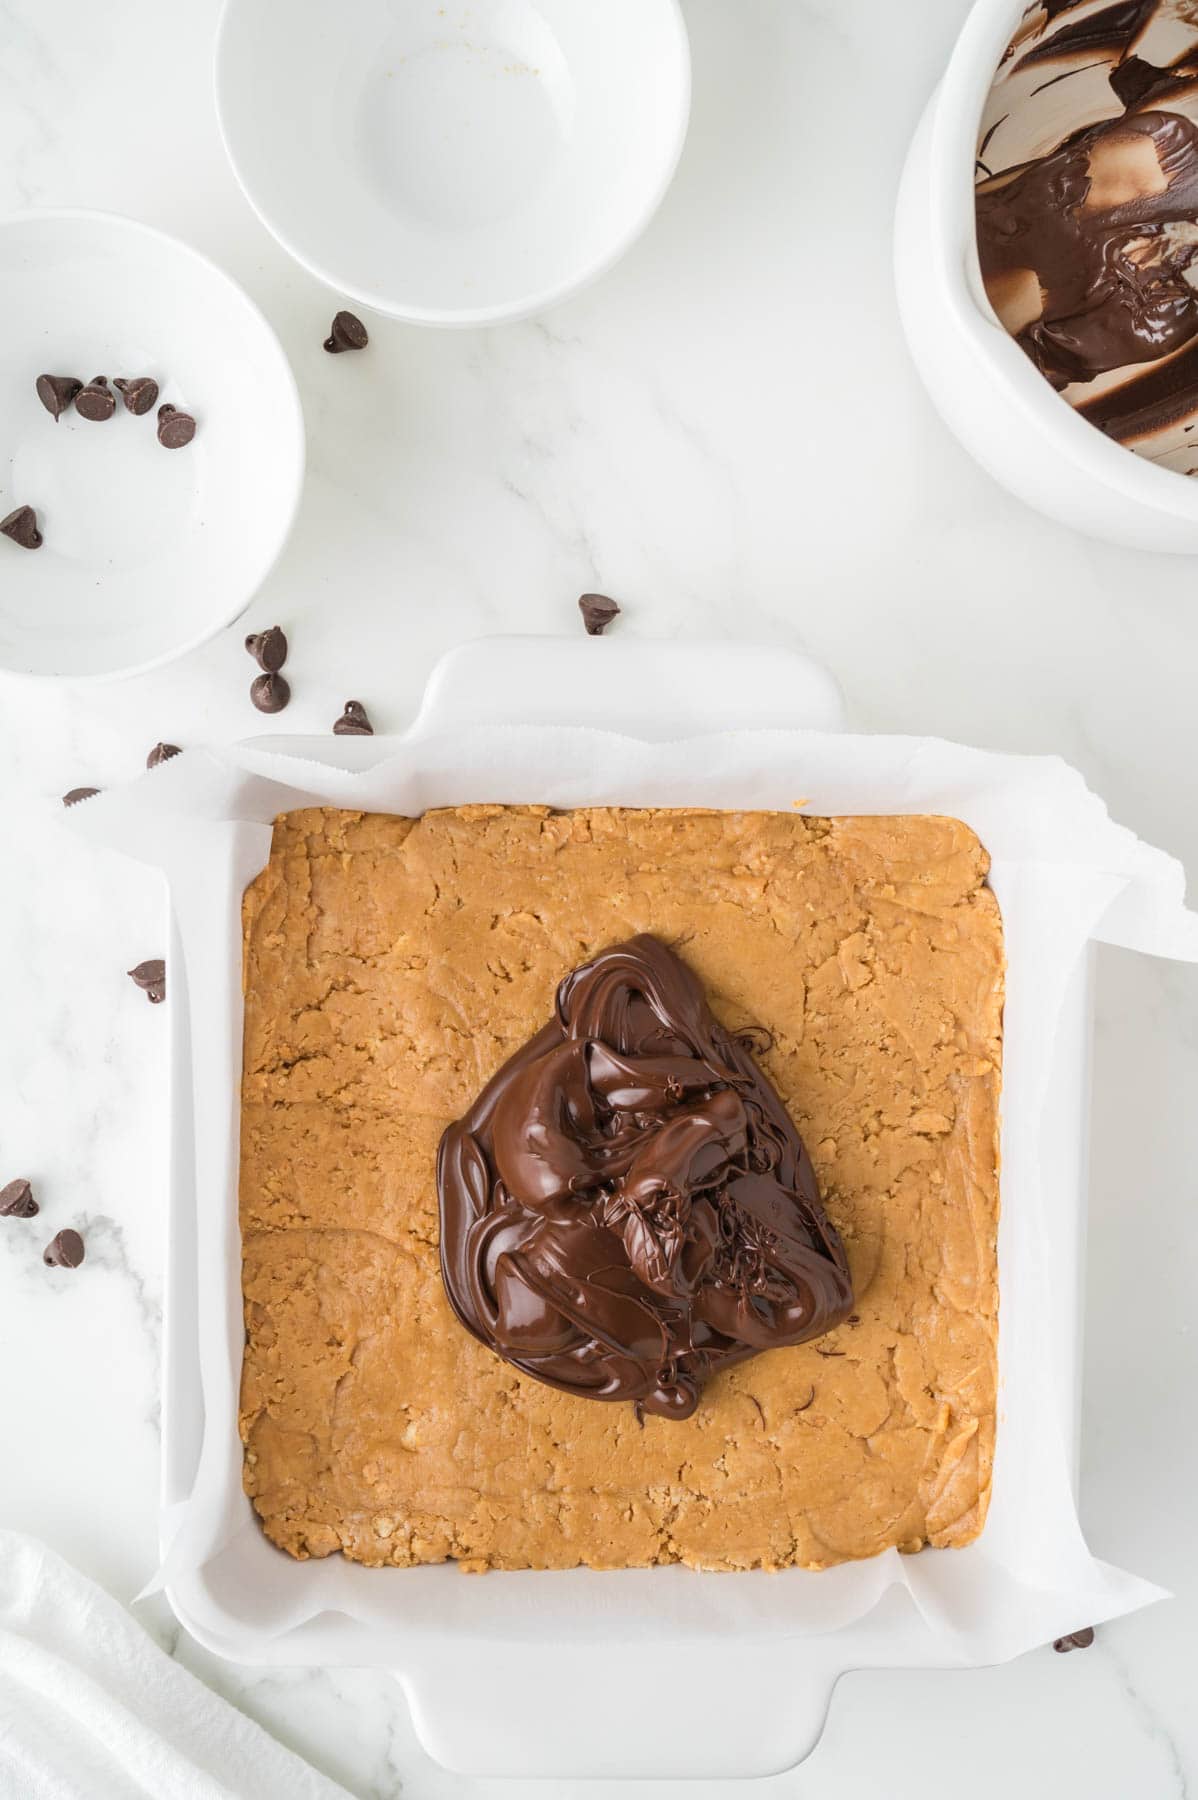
x: 627, y: 1207
x: 1087, y: 212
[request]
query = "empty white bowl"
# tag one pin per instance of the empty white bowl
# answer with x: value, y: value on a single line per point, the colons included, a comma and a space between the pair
x: 986, y: 389
x: 454, y: 162
x: 146, y: 551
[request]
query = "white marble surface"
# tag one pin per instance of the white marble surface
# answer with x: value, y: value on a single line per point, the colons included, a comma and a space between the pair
x: 726, y: 434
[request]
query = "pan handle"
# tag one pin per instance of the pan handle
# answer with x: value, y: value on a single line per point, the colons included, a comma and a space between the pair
x: 648, y: 688
x: 678, y: 1711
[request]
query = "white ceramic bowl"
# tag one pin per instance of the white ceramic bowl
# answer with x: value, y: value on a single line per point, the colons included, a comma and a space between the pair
x: 454, y: 162
x: 985, y: 388
x: 146, y: 551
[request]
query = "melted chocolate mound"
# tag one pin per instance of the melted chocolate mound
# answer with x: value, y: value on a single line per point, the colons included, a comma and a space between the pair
x: 627, y: 1207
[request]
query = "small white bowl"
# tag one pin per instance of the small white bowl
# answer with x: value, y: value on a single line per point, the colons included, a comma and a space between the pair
x: 147, y: 552
x: 986, y: 389
x: 454, y: 162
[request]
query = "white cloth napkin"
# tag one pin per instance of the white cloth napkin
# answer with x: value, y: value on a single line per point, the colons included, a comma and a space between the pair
x: 92, y: 1709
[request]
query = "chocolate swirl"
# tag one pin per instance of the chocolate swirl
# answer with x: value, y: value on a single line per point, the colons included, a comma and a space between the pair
x: 1113, y: 277
x: 1087, y: 212
x: 627, y: 1207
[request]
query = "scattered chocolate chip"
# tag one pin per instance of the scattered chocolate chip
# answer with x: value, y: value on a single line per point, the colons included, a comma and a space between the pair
x: 354, y: 721
x: 348, y: 333
x: 175, y: 428
x: 17, y: 1201
x: 96, y: 400
x: 270, y: 692
x: 268, y: 648
x: 151, y: 979
x: 597, y: 613
x: 78, y: 794
x: 56, y: 393
x: 162, y: 753
x: 139, y: 392
x: 21, y: 527
x: 1074, y: 1640
x: 64, y: 1251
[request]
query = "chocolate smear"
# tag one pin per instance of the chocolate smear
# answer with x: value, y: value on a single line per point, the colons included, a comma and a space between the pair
x: 627, y: 1207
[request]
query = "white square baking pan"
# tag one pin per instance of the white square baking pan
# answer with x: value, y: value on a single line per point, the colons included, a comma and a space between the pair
x: 535, y: 1674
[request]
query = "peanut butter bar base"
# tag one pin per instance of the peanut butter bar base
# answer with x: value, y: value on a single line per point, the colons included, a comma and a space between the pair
x: 391, y: 965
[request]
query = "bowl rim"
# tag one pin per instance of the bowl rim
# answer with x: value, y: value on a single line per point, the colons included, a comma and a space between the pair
x: 466, y: 318
x: 291, y: 445
x: 956, y: 116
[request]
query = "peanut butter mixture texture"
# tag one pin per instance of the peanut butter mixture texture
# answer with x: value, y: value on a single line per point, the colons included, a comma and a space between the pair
x: 392, y: 965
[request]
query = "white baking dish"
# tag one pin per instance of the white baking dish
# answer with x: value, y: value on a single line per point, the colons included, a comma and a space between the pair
x: 987, y: 391
x: 541, y: 1674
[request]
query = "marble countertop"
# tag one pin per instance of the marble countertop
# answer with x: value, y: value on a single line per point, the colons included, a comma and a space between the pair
x: 726, y: 434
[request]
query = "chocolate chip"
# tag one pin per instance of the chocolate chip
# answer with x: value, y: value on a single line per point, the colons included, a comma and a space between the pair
x: 21, y: 527
x: 56, y: 392
x: 348, y: 333
x: 270, y: 692
x: 597, y: 613
x: 1074, y: 1640
x: 96, y: 400
x: 64, y: 1251
x: 268, y: 648
x: 354, y: 721
x: 17, y: 1201
x: 151, y: 979
x: 175, y: 428
x: 139, y: 392
x: 162, y: 753
x: 78, y: 794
